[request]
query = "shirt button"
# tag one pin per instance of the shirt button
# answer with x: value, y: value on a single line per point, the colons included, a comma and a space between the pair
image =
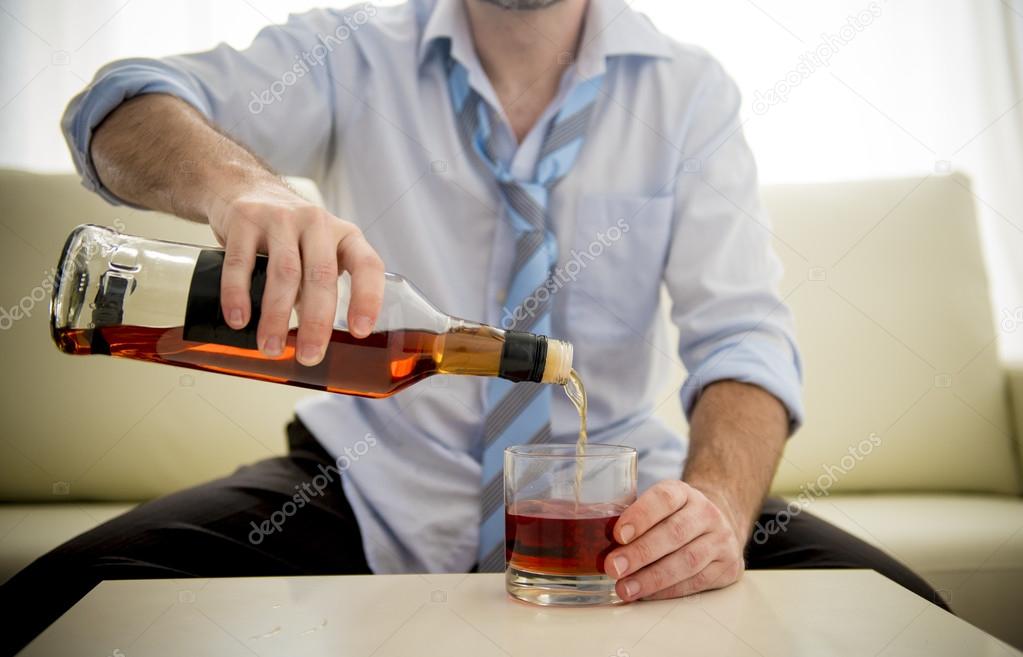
x: 502, y: 296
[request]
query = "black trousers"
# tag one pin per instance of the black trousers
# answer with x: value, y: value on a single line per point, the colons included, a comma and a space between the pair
x: 228, y: 528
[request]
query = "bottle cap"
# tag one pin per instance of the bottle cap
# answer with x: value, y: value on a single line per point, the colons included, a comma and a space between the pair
x: 559, y: 362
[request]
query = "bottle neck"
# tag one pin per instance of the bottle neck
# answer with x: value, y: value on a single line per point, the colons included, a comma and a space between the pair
x: 528, y: 357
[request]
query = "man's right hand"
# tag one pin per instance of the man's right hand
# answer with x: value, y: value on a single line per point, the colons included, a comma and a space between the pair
x: 202, y: 175
x: 308, y: 247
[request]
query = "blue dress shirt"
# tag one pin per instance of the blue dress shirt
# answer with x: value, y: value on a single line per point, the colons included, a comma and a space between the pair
x: 664, y: 195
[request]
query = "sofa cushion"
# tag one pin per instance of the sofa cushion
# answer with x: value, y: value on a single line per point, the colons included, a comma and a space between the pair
x: 903, y: 386
x: 888, y: 286
x: 934, y: 533
x: 28, y: 531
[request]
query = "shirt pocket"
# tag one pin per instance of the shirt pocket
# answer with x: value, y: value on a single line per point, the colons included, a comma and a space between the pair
x: 615, y: 265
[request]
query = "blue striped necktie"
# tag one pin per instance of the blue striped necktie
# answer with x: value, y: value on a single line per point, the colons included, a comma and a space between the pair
x: 518, y: 413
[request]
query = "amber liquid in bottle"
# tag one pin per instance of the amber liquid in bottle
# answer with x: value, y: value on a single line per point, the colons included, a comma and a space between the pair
x: 378, y: 365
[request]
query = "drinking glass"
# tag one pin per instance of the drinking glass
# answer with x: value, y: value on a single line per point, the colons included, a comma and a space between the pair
x: 560, y: 509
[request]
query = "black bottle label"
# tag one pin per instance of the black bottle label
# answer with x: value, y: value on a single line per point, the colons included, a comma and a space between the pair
x: 204, y: 319
x: 523, y: 357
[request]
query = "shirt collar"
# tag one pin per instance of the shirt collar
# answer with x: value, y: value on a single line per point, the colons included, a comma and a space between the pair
x: 611, y: 29
x: 445, y: 20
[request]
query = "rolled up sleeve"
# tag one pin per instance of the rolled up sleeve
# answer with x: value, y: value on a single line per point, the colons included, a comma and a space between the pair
x: 276, y: 97
x: 114, y: 84
x: 722, y: 273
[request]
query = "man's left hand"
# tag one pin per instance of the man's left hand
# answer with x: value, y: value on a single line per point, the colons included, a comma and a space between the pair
x: 675, y: 542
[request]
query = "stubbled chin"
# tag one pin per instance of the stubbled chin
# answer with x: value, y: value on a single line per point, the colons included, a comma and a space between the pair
x: 523, y: 5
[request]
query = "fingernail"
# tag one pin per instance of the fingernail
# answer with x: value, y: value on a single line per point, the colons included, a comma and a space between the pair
x: 310, y: 354
x: 272, y: 346
x: 631, y: 588
x: 236, y: 318
x: 621, y: 564
x: 627, y: 532
x: 362, y: 325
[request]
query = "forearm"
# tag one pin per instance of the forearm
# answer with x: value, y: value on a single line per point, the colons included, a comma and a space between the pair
x: 737, y: 433
x: 158, y: 152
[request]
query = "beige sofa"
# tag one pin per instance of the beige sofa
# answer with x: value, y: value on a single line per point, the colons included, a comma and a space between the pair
x: 910, y: 440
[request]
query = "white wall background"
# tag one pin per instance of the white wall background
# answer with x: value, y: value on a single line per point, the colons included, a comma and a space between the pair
x: 925, y: 87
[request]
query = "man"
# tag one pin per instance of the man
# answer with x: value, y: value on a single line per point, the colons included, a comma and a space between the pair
x: 423, y: 124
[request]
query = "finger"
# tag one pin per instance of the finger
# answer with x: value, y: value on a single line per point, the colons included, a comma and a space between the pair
x: 672, y: 533
x: 657, y: 503
x: 319, y: 294
x: 676, y: 567
x: 284, y: 274
x: 358, y: 258
x: 236, y: 276
x: 717, y: 574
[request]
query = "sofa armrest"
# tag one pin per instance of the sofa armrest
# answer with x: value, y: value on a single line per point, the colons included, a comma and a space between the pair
x: 1015, y: 374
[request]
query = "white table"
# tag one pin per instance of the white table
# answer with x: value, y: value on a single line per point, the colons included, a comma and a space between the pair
x: 767, y: 613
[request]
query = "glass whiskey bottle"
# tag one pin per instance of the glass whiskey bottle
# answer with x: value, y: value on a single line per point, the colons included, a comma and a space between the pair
x: 150, y: 300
